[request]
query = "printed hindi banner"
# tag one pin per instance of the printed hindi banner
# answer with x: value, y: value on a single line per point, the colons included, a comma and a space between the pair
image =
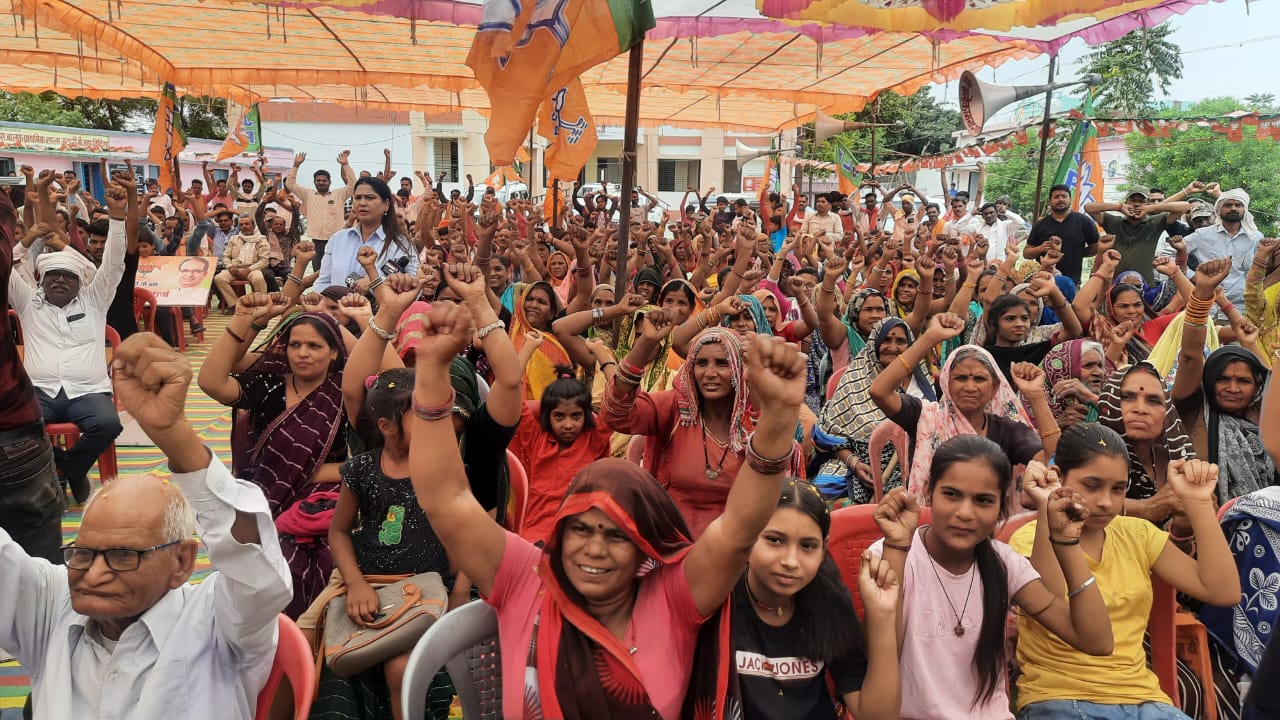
x: 177, y: 281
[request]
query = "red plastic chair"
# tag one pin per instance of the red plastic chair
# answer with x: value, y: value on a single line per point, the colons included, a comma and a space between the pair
x: 144, y: 308
x: 887, y: 431
x: 519, y: 493
x: 294, y: 660
x: 1012, y: 524
x: 1162, y: 626
x: 69, y: 433
x: 853, y: 529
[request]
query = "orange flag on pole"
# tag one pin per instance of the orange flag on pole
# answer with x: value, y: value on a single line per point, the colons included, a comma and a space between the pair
x: 525, y: 51
x: 1089, y: 177
x: 167, y: 139
x: 566, y: 123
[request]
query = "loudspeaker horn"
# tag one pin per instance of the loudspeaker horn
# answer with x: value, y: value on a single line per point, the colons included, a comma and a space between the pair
x: 824, y: 126
x: 747, y: 153
x: 980, y: 100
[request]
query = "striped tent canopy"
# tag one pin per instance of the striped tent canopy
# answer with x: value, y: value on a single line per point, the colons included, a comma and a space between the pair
x: 761, y: 76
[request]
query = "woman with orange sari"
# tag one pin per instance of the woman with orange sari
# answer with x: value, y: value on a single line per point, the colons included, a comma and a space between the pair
x: 536, y: 308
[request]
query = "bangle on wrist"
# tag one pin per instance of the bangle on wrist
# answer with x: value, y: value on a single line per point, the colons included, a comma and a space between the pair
x: 257, y: 326
x: 378, y: 331
x: 484, y: 331
x: 764, y: 465
x: 233, y: 334
x: 1083, y: 586
x: 441, y: 412
x: 905, y: 364
x: 1051, y: 433
x: 895, y: 546
x: 1072, y: 541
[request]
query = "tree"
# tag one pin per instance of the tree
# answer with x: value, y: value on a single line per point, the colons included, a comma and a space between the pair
x: 1012, y: 172
x: 1131, y: 66
x: 1199, y: 153
x: 34, y: 109
x: 1261, y: 102
x: 202, y: 117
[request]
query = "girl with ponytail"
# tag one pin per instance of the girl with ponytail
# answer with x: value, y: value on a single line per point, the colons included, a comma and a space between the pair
x: 958, y: 584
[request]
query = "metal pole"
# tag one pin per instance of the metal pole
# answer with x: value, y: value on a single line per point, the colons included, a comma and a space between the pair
x: 1044, y: 137
x: 629, y: 132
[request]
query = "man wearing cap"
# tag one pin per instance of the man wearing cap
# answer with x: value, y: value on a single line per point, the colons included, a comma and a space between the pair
x: 323, y: 207
x: 64, y: 325
x: 1234, y: 235
x: 1079, y: 234
x: 1137, y: 226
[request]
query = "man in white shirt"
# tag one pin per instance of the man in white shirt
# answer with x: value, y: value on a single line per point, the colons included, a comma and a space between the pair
x: 64, y: 325
x: 323, y: 207
x: 118, y: 632
x: 823, y: 220
x: 989, y: 225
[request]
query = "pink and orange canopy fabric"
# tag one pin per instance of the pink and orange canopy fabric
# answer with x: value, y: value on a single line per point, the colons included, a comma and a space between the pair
x: 747, y: 81
x: 1045, y: 24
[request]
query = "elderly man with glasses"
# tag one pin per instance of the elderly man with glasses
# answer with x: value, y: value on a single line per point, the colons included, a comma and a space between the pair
x: 118, y: 631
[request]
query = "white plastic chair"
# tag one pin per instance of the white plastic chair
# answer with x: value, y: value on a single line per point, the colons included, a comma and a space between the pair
x: 465, y: 642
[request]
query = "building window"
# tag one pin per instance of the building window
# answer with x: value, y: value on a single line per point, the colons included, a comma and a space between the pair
x: 732, y: 176
x: 609, y: 170
x: 7, y: 167
x: 676, y: 175
x: 446, y: 152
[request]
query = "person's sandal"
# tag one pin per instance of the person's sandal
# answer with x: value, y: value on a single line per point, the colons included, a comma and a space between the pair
x: 197, y: 329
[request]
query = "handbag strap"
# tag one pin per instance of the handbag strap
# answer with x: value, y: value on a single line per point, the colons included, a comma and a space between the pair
x: 335, y: 592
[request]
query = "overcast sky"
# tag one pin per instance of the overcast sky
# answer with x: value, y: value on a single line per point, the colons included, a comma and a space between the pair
x: 1228, y: 48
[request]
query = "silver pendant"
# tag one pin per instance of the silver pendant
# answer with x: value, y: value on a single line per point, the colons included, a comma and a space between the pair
x: 712, y: 474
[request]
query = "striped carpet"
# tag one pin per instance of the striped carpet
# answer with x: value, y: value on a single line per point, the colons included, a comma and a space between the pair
x: 211, y: 420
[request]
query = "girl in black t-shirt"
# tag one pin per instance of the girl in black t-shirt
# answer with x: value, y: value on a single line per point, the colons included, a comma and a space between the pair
x: 795, y: 632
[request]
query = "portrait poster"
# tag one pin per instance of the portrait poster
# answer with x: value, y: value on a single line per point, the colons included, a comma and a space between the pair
x: 177, y: 281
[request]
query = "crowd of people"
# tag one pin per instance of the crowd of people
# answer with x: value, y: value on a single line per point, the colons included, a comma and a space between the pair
x: 638, y: 465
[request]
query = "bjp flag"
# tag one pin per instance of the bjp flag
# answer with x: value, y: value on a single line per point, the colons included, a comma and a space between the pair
x: 1089, y: 178
x: 524, y: 51
x: 167, y: 139
x: 566, y: 123
x: 846, y: 171
x: 245, y: 136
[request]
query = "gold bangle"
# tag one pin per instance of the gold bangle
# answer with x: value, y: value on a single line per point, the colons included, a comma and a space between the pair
x: 1051, y: 433
x: 905, y: 364
x: 824, y: 289
x: 970, y: 285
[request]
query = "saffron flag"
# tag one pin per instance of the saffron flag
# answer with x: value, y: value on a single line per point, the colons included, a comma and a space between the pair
x: 846, y: 171
x: 1087, y: 184
x: 167, y: 139
x: 525, y: 51
x: 500, y: 177
x: 245, y: 135
x: 566, y: 123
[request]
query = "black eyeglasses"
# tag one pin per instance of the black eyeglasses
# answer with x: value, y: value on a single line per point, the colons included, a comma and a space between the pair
x: 118, y: 559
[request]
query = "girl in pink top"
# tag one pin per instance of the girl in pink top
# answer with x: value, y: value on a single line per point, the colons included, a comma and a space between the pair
x: 958, y: 583
x: 620, y: 614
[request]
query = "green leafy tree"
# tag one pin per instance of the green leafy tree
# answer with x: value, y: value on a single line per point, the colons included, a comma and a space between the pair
x: 1261, y: 102
x: 1132, y: 66
x: 1012, y: 172
x: 201, y: 117
x: 35, y: 109
x: 1199, y: 153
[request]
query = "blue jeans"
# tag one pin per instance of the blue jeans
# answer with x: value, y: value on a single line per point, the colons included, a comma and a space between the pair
x: 95, y: 415
x: 1081, y: 710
